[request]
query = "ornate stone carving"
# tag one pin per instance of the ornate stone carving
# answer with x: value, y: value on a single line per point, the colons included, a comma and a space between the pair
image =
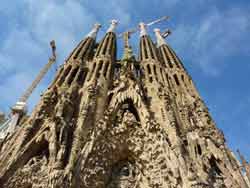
x: 143, y: 126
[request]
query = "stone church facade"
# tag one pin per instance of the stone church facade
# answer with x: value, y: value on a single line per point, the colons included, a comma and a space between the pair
x: 129, y: 123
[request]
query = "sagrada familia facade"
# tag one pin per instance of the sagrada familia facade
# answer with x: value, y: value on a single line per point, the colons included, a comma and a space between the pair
x: 120, y: 123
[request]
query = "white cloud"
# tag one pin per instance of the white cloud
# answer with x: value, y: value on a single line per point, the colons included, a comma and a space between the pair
x: 63, y: 22
x: 214, y: 38
x: 25, y: 50
x: 32, y: 25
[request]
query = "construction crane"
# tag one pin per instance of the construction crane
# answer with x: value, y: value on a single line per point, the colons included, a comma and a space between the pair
x: 20, y: 108
x: 166, y: 33
x: 126, y: 35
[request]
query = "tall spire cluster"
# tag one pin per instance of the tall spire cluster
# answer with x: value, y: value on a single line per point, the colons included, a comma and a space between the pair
x: 108, y: 123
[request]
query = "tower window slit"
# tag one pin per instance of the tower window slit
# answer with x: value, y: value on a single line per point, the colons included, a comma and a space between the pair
x: 64, y: 75
x: 162, y: 77
x: 140, y: 53
x: 105, y: 45
x: 150, y: 79
x: 144, y: 47
x: 157, y: 53
x: 176, y: 79
x: 81, y: 77
x: 182, y: 77
x: 109, y: 98
x: 114, y: 49
x: 100, y: 65
x: 166, y: 76
x: 79, y: 49
x: 150, y: 46
x: 149, y: 69
x: 72, y: 76
x: 199, y: 149
x: 168, y: 59
x: 155, y: 72
x: 105, y: 69
x: 185, y: 142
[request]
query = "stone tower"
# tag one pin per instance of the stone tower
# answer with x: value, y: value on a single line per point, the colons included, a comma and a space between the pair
x: 129, y: 123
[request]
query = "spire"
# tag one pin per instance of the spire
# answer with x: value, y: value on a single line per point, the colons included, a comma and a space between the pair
x: 84, y: 49
x: 147, y: 47
x: 107, y: 46
x: 112, y: 26
x: 128, y: 52
x: 143, y: 30
x: 167, y: 54
x: 93, y: 32
x: 160, y: 40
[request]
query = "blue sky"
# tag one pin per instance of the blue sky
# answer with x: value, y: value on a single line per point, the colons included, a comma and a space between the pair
x: 211, y: 37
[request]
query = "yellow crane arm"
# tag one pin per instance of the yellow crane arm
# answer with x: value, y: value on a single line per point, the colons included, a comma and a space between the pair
x: 41, y: 74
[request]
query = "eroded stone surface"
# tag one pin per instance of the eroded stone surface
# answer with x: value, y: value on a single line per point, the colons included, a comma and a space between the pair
x: 105, y: 123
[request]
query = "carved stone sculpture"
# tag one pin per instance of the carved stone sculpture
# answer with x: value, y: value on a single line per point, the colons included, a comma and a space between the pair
x: 109, y: 123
